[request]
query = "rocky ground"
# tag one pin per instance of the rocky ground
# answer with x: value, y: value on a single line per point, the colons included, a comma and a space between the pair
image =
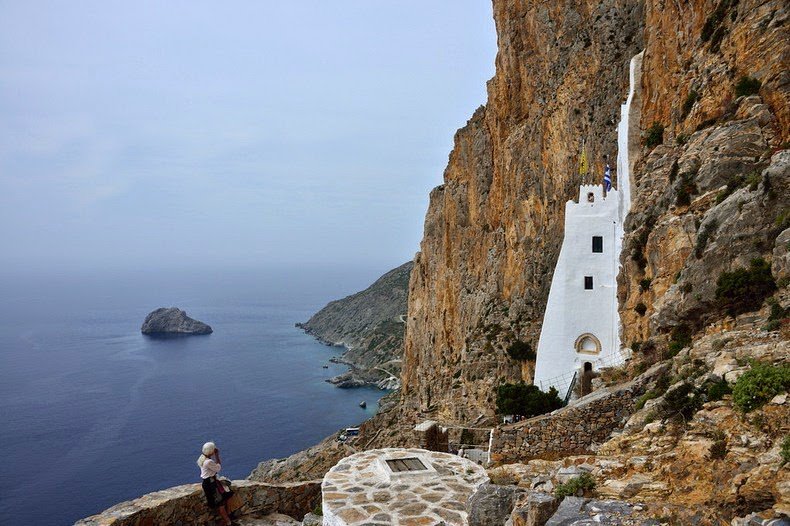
x: 711, y: 466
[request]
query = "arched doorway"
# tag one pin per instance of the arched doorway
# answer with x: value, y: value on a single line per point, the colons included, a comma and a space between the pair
x: 587, y: 376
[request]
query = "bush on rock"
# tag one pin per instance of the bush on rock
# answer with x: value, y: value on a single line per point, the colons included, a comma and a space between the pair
x: 526, y: 400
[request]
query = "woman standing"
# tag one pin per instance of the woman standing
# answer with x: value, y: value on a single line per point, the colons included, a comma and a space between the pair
x: 210, y: 464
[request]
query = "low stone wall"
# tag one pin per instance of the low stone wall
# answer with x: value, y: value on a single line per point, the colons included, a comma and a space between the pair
x: 571, y: 430
x: 186, y: 505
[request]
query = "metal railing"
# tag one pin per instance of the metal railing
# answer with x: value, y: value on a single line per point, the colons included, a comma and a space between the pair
x: 565, y: 382
x: 570, y: 388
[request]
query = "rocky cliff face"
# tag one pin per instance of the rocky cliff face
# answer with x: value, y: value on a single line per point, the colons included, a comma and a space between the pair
x: 714, y: 194
x: 369, y: 324
x: 494, y: 229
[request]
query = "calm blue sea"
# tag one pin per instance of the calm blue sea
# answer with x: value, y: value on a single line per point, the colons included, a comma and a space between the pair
x: 94, y: 413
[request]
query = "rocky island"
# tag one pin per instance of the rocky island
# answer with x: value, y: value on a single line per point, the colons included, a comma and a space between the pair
x: 172, y: 321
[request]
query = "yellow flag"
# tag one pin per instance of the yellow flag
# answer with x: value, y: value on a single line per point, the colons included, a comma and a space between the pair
x: 583, y: 168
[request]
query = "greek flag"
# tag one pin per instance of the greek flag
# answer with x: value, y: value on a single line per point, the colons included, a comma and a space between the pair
x: 607, y: 178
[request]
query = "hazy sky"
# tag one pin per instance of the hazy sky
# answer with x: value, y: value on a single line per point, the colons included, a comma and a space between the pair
x: 242, y: 134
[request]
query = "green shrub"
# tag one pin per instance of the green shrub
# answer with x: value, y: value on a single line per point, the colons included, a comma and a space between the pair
x: 681, y: 139
x: 640, y: 308
x: 685, y: 188
x: 753, y: 180
x: 521, y: 351
x: 585, y: 481
x: 785, y: 451
x: 744, y: 290
x: 759, y: 384
x: 680, y: 339
x: 707, y: 123
x: 526, y: 400
x: 640, y: 367
x: 644, y: 284
x: 747, y: 86
x: 717, y: 390
x: 717, y: 37
x: 778, y: 313
x: 691, y: 99
x: 718, y: 450
x: 681, y: 401
x: 639, y: 241
x: 635, y: 346
x: 662, y: 384
x: 318, y: 510
x: 732, y: 185
x: 673, y: 172
x: 713, y: 22
x: 501, y: 477
x: 655, y: 135
x: 642, y: 400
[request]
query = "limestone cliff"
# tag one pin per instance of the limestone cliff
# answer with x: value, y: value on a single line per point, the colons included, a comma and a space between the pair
x: 713, y: 194
x: 369, y: 325
x: 494, y: 229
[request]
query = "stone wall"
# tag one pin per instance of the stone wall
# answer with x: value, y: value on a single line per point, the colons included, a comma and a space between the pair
x: 183, y: 505
x: 570, y: 430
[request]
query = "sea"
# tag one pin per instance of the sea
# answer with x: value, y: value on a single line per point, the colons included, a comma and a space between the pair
x: 93, y: 413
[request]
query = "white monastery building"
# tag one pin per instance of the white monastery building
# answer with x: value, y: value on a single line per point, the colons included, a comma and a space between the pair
x: 581, y: 325
x: 581, y: 322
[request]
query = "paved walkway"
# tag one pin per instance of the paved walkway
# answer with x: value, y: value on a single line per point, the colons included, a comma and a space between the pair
x: 400, y: 487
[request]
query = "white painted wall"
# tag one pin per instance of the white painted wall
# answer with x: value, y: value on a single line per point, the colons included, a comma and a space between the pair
x: 571, y: 310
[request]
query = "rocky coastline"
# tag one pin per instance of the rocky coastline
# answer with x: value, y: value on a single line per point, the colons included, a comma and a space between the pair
x: 369, y: 328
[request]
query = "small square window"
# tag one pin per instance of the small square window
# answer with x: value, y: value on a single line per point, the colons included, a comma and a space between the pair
x: 588, y: 283
x: 598, y: 244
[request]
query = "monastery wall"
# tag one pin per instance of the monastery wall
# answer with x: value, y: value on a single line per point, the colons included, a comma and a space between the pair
x: 572, y: 430
x: 581, y: 322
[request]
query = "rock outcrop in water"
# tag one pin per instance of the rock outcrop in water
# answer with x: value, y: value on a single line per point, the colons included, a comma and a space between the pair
x: 370, y: 325
x: 172, y: 321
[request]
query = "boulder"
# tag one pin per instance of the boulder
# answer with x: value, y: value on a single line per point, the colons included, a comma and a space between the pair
x: 491, y: 504
x: 311, y: 519
x: 534, y: 510
x: 172, y: 321
x: 576, y: 511
x: 568, y: 512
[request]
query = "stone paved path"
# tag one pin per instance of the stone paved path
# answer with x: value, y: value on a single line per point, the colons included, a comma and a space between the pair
x: 365, y: 489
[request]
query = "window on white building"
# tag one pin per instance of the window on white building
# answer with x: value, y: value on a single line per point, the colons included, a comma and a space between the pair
x: 597, y: 244
x: 588, y: 283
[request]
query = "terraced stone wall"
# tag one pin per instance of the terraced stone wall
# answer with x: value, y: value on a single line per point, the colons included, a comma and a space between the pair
x: 568, y: 431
